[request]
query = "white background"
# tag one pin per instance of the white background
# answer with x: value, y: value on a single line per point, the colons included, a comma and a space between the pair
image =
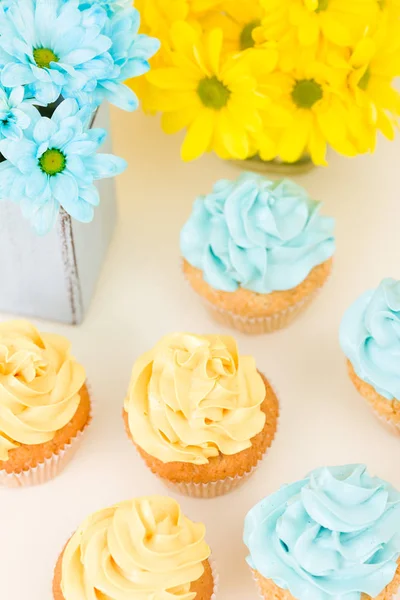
x: 142, y: 296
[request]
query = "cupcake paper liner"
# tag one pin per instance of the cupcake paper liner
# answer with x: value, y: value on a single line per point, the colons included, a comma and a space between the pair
x: 216, y: 578
x: 393, y: 428
x: 50, y: 467
x: 213, y: 489
x: 261, y: 595
x: 257, y: 325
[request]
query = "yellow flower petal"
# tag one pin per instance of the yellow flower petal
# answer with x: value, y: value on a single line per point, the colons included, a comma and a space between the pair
x: 183, y: 36
x: 363, y: 53
x: 267, y: 147
x: 172, y: 122
x: 214, y: 46
x: 294, y: 140
x: 232, y: 136
x: 199, y: 135
x: 335, y: 31
x: 385, y: 125
x: 332, y: 123
x: 245, y: 114
x: 317, y: 147
x: 309, y: 31
x: 173, y: 101
x: 171, y: 79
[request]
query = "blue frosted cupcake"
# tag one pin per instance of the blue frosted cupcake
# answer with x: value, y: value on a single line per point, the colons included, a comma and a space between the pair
x: 257, y: 251
x: 335, y: 535
x: 370, y: 339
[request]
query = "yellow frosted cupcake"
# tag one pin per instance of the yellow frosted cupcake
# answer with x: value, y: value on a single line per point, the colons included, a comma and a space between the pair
x: 370, y: 339
x: 143, y: 548
x: 200, y: 415
x: 44, y: 404
x: 257, y: 252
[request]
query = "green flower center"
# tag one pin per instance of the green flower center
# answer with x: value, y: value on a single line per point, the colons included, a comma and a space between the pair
x: 364, y: 81
x: 382, y: 4
x: 43, y: 57
x: 246, y: 37
x: 322, y: 5
x: 213, y: 93
x: 306, y: 93
x: 52, y: 162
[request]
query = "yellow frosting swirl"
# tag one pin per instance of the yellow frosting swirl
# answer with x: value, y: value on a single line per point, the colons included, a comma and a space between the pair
x: 39, y: 385
x: 192, y: 397
x: 141, y: 549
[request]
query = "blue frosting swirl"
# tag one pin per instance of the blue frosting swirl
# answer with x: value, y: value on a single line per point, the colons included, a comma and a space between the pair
x: 335, y: 534
x: 370, y: 338
x: 262, y: 235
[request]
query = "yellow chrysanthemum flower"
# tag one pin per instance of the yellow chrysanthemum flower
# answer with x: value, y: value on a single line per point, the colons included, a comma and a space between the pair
x: 157, y: 16
x: 315, y: 96
x: 342, y: 22
x: 215, y: 98
x: 376, y: 62
x: 238, y: 20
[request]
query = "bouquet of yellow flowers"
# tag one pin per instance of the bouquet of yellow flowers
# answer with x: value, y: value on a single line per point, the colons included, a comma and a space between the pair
x: 274, y: 79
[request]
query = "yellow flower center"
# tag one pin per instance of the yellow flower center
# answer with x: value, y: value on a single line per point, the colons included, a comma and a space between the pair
x: 213, y: 93
x: 322, y: 5
x: 52, y: 162
x: 246, y: 37
x: 306, y: 92
x: 43, y: 57
x: 364, y: 81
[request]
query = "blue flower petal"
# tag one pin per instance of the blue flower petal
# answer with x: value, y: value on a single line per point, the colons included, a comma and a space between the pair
x: 11, y: 131
x: 76, y: 167
x: 45, y: 217
x: 36, y: 183
x: 90, y: 195
x: 119, y: 95
x: 105, y: 165
x: 15, y: 74
x: 64, y: 188
x: 67, y: 108
x: 44, y: 129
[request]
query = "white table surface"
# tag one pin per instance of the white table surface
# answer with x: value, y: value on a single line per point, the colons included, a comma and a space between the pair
x: 142, y: 296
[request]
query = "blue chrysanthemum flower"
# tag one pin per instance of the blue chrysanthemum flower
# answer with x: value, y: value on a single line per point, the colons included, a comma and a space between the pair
x: 53, y: 48
x: 55, y: 165
x: 15, y: 113
x: 110, y: 6
x: 130, y: 52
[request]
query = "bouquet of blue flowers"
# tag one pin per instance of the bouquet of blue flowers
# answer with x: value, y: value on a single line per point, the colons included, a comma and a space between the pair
x: 59, y: 60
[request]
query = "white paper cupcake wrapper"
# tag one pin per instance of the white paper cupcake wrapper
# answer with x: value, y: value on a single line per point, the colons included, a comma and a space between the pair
x: 213, y: 489
x: 390, y: 426
x: 259, y: 325
x: 216, y: 578
x: 51, y: 467
x: 395, y: 596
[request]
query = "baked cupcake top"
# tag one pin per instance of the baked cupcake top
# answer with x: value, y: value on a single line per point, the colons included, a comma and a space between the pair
x: 335, y: 534
x: 257, y: 234
x: 143, y: 548
x: 192, y: 397
x: 39, y: 385
x: 370, y: 338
